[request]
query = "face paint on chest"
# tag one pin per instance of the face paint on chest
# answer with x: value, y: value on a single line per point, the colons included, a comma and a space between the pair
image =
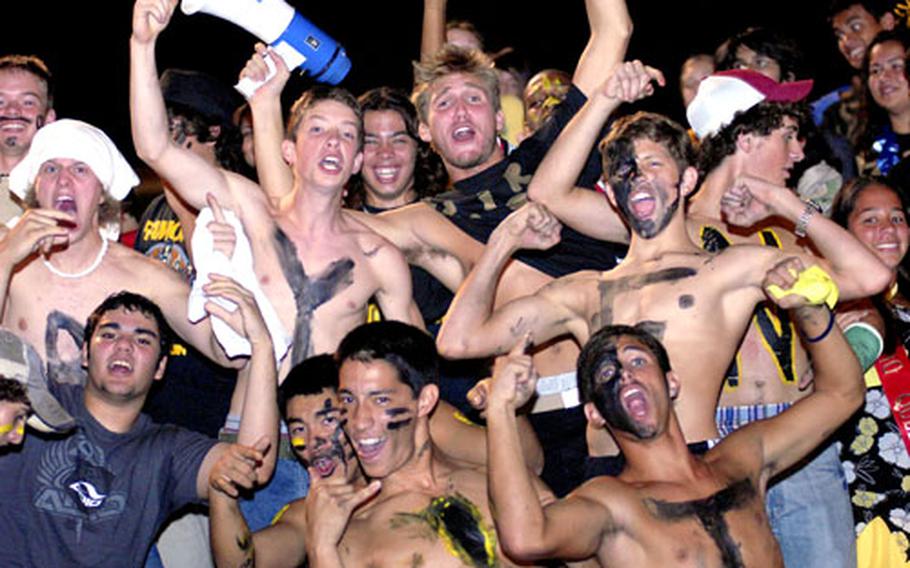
x: 310, y: 292
x: 459, y: 524
x: 61, y: 370
x: 710, y: 513
x: 639, y: 198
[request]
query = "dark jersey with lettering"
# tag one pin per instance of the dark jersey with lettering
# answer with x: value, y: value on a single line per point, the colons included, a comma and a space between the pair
x: 479, y: 203
x: 195, y: 392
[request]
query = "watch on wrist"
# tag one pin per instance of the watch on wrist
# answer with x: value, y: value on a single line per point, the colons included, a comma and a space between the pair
x: 802, y: 223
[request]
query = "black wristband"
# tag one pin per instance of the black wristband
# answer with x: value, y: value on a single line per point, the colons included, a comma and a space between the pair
x: 824, y: 333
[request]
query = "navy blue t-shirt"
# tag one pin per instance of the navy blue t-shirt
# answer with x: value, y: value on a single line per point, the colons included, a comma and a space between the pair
x: 95, y: 497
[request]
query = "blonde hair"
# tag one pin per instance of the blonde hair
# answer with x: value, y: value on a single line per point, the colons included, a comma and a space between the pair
x: 448, y: 60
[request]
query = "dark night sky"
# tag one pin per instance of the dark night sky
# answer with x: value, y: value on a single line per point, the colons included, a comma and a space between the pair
x: 86, y: 43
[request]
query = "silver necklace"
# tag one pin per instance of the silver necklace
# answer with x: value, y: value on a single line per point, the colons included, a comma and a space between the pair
x: 91, y: 268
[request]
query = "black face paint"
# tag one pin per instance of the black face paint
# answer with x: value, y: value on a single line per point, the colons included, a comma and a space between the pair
x: 710, y: 513
x: 623, y: 177
x: 686, y: 301
x: 333, y: 447
x: 398, y: 424
x: 606, y: 399
x: 309, y: 294
x: 58, y: 370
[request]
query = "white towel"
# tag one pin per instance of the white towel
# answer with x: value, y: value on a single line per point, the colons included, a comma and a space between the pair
x: 206, y: 260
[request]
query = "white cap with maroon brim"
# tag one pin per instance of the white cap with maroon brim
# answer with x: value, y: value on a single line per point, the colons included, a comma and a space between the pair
x: 726, y: 93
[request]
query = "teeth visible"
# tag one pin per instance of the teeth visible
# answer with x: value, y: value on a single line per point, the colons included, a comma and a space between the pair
x: 369, y: 441
x: 331, y: 163
x: 462, y: 132
x: 385, y: 174
x: 122, y: 364
x: 639, y: 197
x: 631, y: 392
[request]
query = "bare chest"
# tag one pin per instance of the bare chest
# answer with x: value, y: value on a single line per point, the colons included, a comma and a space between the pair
x: 50, y: 311
x: 662, y: 298
x: 420, y: 530
x: 727, y: 529
x: 319, y: 292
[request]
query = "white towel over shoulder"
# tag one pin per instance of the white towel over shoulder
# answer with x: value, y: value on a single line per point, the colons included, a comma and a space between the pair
x: 239, y: 267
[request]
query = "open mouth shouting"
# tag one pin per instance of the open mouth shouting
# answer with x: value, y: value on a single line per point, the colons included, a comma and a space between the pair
x: 120, y: 367
x: 642, y: 203
x: 324, y: 465
x: 368, y: 449
x: 331, y: 164
x: 634, y: 402
x: 463, y: 133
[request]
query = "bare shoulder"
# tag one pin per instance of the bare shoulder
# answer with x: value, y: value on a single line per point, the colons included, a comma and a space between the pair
x: 374, y: 246
x: 606, y: 491
x: 573, y: 288
x: 135, y: 264
x: 294, y: 515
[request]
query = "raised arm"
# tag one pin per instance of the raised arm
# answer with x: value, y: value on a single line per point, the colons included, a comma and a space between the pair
x: 553, y: 184
x: 275, y: 177
x: 190, y: 175
x: 856, y: 270
x: 611, y: 28
x: 433, y: 32
x: 527, y: 529
x: 839, y: 388
x: 259, y: 380
x: 472, y: 328
x: 168, y: 289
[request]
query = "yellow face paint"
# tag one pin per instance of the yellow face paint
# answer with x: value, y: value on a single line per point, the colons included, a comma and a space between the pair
x: 21, y: 430
x: 4, y: 428
x: 298, y: 443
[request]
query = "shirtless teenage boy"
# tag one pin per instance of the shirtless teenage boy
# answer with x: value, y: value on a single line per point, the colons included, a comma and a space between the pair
x: 668, y: 507
x: 56, y: 267
x: 426, y: 509
x: 317, y: 264
x: 698, y: 303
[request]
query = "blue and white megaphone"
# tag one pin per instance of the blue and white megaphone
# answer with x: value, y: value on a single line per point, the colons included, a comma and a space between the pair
x: 293, y: 37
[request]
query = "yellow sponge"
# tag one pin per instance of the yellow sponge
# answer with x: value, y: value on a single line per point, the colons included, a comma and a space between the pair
x: 813, y: 284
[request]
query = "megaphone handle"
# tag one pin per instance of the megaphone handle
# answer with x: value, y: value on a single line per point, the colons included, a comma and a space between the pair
x: 292, y: 58
x: 248, y: 87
